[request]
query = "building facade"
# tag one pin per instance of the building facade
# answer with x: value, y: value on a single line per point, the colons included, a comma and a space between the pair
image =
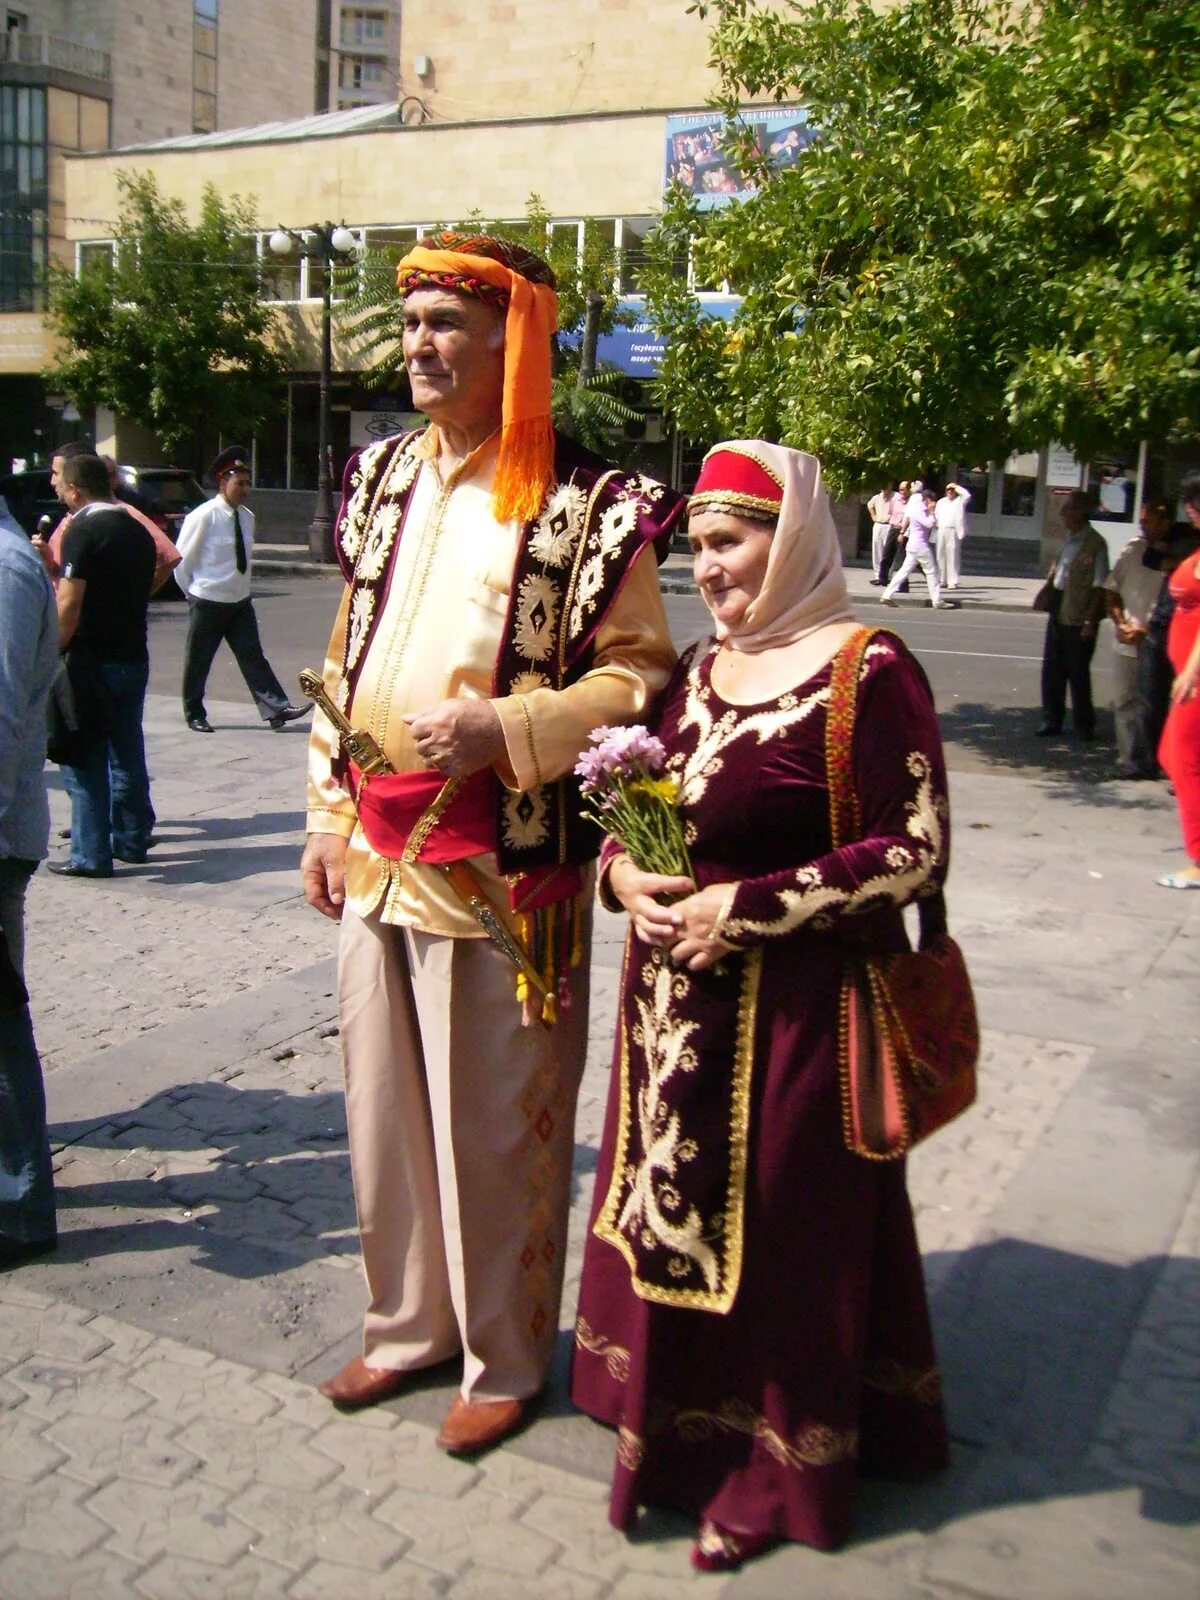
x: 482, y: 120
x: 88, y: 75
x: 358, y: 55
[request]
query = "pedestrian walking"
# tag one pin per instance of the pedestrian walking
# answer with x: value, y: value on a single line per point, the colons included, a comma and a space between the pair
x: 28, y: 659
x: 879, y: 510
x: 1180, y: 748
x: 897, y: 512
x: 519, y: 610
x: 950, y: 514
x: 1075, y: 600
x: 216, y: 548
x: 108, y: 563
x: 918, y: 532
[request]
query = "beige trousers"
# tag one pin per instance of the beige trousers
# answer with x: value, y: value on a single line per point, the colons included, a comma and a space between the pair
x: 461, y: 1128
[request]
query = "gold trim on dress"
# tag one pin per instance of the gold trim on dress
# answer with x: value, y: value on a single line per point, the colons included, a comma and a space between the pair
x: 708, y: 1237
x: 615, y: 1356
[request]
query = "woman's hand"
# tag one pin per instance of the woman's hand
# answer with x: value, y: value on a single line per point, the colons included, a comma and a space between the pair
x: 1187, y: 683
x: 696, y: 943
x: 636, y: 890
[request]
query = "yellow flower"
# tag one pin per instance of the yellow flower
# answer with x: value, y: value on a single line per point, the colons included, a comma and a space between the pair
x: 662, y: 788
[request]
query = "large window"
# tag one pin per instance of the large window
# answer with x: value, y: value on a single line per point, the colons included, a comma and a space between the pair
x: 23, y: 198
x: 363, y: 28
x: 204, y: 66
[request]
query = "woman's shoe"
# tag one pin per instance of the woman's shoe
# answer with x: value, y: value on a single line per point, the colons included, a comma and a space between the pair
x: 717, y: 1550
x: 1180, y: 880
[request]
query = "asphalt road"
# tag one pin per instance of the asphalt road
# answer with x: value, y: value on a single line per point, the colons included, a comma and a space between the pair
x: 984, y: 667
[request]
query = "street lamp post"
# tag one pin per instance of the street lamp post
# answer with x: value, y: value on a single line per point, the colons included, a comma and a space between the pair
x: 326, y: 244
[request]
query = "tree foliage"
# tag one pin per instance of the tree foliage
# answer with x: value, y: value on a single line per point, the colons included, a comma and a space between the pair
x: 170, y: 331
x: 370, y: 316
x: 993, y: 241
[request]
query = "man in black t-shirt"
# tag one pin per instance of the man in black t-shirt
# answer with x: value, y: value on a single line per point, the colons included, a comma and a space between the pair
x: 108, y: 562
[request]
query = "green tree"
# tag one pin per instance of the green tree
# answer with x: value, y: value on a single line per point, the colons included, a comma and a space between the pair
x: 993, y: 241
x: 588, y: 405
x: 170, y: 331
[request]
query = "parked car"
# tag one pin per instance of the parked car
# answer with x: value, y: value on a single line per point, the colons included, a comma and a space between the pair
x: 29, y: 496
x: 166, y: 494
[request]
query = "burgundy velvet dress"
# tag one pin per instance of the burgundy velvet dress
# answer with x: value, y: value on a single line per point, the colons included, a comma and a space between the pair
x: 752, y: 1316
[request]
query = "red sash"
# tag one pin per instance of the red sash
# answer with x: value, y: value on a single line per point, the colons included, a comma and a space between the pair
x: 390, y: 804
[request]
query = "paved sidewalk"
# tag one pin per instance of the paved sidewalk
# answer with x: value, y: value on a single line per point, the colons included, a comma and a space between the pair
x: 159, y: 1432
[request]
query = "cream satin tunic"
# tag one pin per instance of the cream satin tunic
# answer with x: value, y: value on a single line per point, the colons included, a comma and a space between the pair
x: 437, y: 639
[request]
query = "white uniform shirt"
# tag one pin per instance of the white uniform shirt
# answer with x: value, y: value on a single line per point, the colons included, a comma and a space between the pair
x: 208, y: 566
x: 951, y: 514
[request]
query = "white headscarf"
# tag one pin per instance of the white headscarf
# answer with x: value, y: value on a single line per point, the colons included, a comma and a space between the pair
x: 804, y: 587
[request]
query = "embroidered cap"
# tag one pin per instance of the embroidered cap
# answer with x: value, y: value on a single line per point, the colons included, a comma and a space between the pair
x: 735, y: 478
x: 234, y: 458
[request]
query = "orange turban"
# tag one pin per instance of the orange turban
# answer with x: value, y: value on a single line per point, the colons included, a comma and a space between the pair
x: 525, y: 469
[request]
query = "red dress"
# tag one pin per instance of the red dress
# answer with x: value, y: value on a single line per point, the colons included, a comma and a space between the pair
x: 1179, y: 750
x: 752, y: 1315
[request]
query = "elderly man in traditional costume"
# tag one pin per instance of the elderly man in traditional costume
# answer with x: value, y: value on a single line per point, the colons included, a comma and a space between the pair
x: 502, y: 601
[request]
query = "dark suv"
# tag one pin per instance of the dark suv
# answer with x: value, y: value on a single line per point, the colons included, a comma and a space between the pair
x: 165, y: 494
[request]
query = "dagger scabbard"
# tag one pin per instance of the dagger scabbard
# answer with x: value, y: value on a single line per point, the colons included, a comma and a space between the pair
x: 358, y: 745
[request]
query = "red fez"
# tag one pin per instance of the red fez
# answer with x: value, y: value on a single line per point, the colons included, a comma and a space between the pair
x: 733, y: 477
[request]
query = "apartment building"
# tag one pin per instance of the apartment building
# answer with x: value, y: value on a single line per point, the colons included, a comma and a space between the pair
x: 358, y: 55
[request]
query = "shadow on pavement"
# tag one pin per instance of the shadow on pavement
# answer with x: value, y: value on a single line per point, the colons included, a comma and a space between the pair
x: 1005, y: 737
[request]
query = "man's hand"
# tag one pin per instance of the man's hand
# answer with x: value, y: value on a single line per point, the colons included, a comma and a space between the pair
x: 323, y: 872
x: 458, y: 737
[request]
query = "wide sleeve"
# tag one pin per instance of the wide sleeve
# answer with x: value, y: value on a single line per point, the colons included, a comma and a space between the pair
x: 900, y: 779
x: 330, y: 808
x: 545, y: 729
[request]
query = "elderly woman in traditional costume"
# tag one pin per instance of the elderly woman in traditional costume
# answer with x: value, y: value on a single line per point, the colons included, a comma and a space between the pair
x: 752, y: 1315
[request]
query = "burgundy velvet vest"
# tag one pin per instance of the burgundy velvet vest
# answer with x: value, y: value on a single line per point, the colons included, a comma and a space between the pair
x: 571, y: 563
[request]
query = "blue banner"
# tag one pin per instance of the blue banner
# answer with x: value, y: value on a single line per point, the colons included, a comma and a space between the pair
x: 638, y: 349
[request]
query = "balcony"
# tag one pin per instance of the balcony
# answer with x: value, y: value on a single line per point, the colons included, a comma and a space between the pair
x: 21, y: 49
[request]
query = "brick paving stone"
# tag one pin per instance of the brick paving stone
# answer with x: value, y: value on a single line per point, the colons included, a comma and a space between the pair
x: 187, y: 1393
x: 138, y: 1450
x: 181, y: 1520
x: 337, y: 1525
x: 236, y: 1454
x: 124, y: 1343
x: 182, y: 1578
x: 492, y: 1583
x: 330, y: 1580
x: 1062, y: 1548
x: 507, y: 1473
x: 478, y: 1529
x: 55, y: 1331
x: 26, y: 1454
x: 405, y: 1457
x: 48, y: 1516
x: 55, y: 1389
x: 593, y: 1547
x: 59, y: 1575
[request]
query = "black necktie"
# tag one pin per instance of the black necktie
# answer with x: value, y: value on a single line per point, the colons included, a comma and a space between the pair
x: 239, y: 544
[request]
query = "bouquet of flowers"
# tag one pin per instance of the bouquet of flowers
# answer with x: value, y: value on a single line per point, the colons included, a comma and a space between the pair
x: 627, y: 794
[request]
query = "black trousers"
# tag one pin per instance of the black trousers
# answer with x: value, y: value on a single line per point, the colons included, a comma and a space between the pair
x: 891, y: 550
x: 1067, y: 663
x: 1152, y: 700
x: 210, y: 622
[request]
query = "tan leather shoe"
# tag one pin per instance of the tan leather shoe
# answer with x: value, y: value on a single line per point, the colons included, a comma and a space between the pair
x: 358, y: 1385
x: 474, y: 1425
